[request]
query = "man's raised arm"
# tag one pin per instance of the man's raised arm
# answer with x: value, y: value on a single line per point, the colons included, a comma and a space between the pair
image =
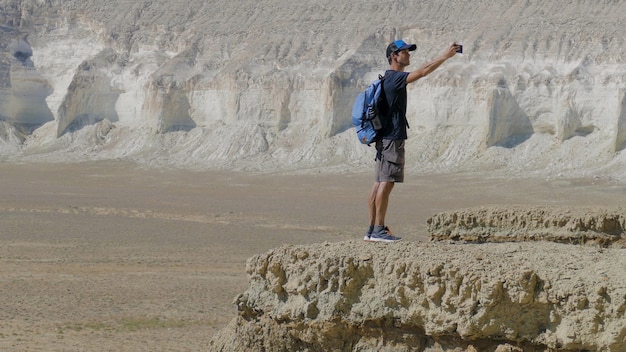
x: 433, y: 65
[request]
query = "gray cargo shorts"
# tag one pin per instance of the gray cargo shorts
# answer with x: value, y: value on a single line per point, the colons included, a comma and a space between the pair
x: 389, y: 160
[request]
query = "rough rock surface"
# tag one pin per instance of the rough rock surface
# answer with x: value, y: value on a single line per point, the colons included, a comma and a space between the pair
x: 573, y: 225
x: 438, y: 296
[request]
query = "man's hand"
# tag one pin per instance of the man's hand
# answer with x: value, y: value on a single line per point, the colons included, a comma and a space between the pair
x: 452, y: 50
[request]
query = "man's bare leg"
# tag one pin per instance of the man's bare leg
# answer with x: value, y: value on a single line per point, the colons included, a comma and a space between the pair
x: 382, y: 201
x: 378, y: 202
x: 372, y: 204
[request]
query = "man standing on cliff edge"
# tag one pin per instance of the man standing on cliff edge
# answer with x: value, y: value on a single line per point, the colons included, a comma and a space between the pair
x: 390, y: 144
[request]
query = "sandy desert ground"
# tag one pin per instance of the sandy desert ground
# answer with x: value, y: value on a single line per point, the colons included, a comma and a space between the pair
x: 113, y: 257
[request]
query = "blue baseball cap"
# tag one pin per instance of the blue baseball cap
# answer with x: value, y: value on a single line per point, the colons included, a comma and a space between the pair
x: 399, y: 45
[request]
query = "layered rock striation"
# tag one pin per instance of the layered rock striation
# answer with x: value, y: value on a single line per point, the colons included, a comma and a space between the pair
x: 605, y: 227
x: 270, y: 85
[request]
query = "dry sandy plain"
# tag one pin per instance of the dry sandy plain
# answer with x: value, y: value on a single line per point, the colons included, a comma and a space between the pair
x: 113, y: 257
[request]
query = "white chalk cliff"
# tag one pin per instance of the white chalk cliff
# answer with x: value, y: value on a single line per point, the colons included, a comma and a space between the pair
x: 540, y: 88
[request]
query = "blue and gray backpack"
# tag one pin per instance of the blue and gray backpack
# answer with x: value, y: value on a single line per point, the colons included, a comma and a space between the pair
x: 369, y: 110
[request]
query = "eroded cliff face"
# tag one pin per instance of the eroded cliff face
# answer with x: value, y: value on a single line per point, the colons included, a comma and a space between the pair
x: 524, y: 293
x: 236, y: 84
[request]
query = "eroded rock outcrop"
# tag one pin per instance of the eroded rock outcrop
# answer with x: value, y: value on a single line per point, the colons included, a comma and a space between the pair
x: 572, y: 225
x: 438, y: 296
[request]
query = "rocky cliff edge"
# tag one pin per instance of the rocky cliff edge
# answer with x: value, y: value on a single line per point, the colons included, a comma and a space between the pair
x: 526, y: 295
